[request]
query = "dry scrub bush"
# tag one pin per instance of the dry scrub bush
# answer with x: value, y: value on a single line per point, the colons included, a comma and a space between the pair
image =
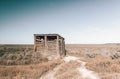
x: 115, y: 56
x: 15, y: 56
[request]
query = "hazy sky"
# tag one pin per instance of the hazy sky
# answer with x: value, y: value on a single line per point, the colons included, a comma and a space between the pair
x: 78, y: 21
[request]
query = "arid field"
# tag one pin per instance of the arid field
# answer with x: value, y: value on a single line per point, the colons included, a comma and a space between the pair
x: 20, y: 62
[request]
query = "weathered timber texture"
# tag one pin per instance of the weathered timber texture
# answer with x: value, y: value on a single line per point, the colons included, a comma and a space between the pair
x: 49, y: 45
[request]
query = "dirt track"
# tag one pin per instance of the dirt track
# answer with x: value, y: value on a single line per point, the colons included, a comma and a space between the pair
x: 76, y: 67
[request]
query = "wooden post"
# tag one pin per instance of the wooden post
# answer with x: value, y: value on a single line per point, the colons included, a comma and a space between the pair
x: 61, y: 41
x: 63, y: 46
x: 34, y: 43
x: 57, y: 46
x: 46, y: 47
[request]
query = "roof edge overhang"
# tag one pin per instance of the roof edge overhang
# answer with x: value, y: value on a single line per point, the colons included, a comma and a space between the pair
x: 48, y: 35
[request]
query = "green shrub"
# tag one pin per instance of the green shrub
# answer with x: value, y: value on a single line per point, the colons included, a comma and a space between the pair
x: 91, y: 55
x: 12, y: 50
x: 13, y: 57
x: 1, y: 54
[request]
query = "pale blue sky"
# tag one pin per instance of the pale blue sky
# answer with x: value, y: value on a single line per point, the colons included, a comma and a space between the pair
x: 78, y: 21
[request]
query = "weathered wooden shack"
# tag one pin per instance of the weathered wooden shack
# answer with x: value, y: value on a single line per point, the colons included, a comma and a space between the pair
x: 49, y: 45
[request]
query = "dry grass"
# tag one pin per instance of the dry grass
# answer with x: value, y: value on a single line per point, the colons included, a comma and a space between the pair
x: 105, y: 66
x: 33, y: 71
x: 68, y: 71
x: 99, y: 58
